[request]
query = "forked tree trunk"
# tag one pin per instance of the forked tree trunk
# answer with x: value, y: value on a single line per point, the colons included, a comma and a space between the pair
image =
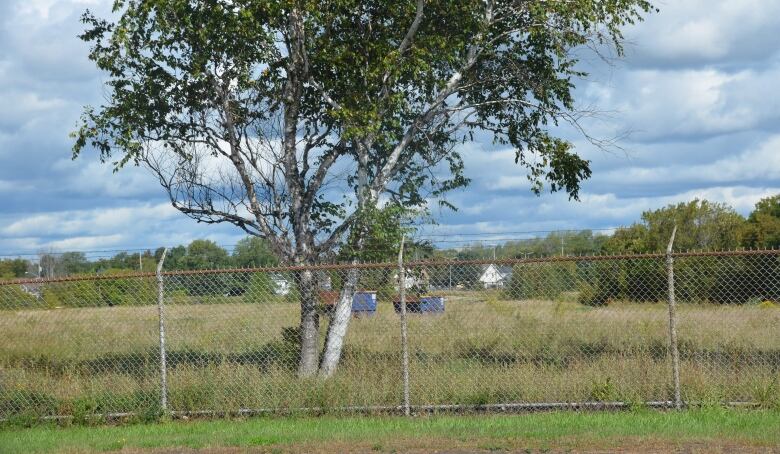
x: 339, y: 322
x: 310, y: 324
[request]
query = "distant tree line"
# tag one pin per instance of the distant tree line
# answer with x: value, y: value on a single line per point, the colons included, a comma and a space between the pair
x: 198, y: 255
x: 701, y: 225
x: 13, y: 268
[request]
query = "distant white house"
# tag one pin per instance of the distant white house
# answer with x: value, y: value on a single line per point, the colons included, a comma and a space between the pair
x: 495, y: 276
x: 32, y: 290
x: 281, y: 285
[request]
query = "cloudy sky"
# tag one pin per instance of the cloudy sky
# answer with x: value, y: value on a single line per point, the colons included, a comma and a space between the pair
x: 697, y: 95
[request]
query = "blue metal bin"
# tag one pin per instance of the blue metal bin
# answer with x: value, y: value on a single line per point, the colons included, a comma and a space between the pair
x: 364, y: 302
x: 432, y: 304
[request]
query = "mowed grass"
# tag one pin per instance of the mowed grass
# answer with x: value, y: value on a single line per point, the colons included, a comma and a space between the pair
x: 712, y: 427
x: 484, y: 349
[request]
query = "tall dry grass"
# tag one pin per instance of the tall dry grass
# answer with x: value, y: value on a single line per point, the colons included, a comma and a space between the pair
x: 482, y: 350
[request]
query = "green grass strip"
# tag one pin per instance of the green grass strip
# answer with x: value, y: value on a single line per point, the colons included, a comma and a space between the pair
x: 556, y: 430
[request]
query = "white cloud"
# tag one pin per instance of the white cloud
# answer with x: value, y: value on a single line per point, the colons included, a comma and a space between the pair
x: 519, y: 214
x: 695, y: 32
x: 147, y: 226
x: 661, y: 104
x: 88, y: 176
x: 761, y: 162
x: 95, y: 222
x: 510, y: 182
x: 612, y: 207
x: 699, y: 89
x: 85, y: 242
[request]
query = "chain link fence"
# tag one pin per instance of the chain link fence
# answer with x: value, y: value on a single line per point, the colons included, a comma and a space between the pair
x: 571, y: 332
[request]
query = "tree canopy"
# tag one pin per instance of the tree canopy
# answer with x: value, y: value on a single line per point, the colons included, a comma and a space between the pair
x: 13, y: 268
x: 762, y: 229
x: 253, y: 252
x: 701, y: 224
x: 248, y: 111
x: 305, y: 123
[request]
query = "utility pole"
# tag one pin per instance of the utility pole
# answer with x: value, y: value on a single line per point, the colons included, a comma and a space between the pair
x: 673, y: 322
x: 404, y: 327
x: 161, y: 320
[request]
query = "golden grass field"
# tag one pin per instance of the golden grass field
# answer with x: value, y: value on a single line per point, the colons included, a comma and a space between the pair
x: 482, y: 350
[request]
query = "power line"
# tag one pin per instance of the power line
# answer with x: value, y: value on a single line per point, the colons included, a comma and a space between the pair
x: 92, y: 252
x: 513, y: 233
x: 83, y: 251
x: 493, y: 236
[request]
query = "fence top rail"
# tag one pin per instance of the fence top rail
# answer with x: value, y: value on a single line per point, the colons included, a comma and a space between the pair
x: 391, y: 265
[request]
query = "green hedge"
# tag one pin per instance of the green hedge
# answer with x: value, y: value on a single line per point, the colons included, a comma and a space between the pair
x: 698, y: 279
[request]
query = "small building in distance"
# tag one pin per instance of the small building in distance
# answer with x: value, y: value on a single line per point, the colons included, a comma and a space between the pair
x: 33, y: 289
x: 281, y: 285
x: 495, y: 276
x: 415, y: 281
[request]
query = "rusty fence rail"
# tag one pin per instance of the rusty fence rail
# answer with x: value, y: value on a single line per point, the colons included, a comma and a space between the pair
x: 665, y: 329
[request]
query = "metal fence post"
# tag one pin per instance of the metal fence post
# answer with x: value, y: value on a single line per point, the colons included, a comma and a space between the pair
x: 161, y: 316
x: 404, y: 332
x: 673, y: 322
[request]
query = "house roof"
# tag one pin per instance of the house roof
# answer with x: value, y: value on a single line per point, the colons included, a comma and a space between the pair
x: 503, y: 270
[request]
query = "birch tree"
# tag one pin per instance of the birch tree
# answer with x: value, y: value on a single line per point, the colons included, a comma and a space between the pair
x: 294, y: 119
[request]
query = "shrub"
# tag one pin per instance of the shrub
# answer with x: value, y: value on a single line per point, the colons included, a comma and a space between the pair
x: 542, y: 280
x: 590, y: 295
x: 13, y: 297
x: 259, y: 287
x: 642, y: 280
x: 698, y: 279
x: 379, y: 280
x: 104, y: 292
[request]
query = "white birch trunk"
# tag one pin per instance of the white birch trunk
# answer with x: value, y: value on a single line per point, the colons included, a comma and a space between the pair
x: 339, y: 323
x: 309, y: 327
